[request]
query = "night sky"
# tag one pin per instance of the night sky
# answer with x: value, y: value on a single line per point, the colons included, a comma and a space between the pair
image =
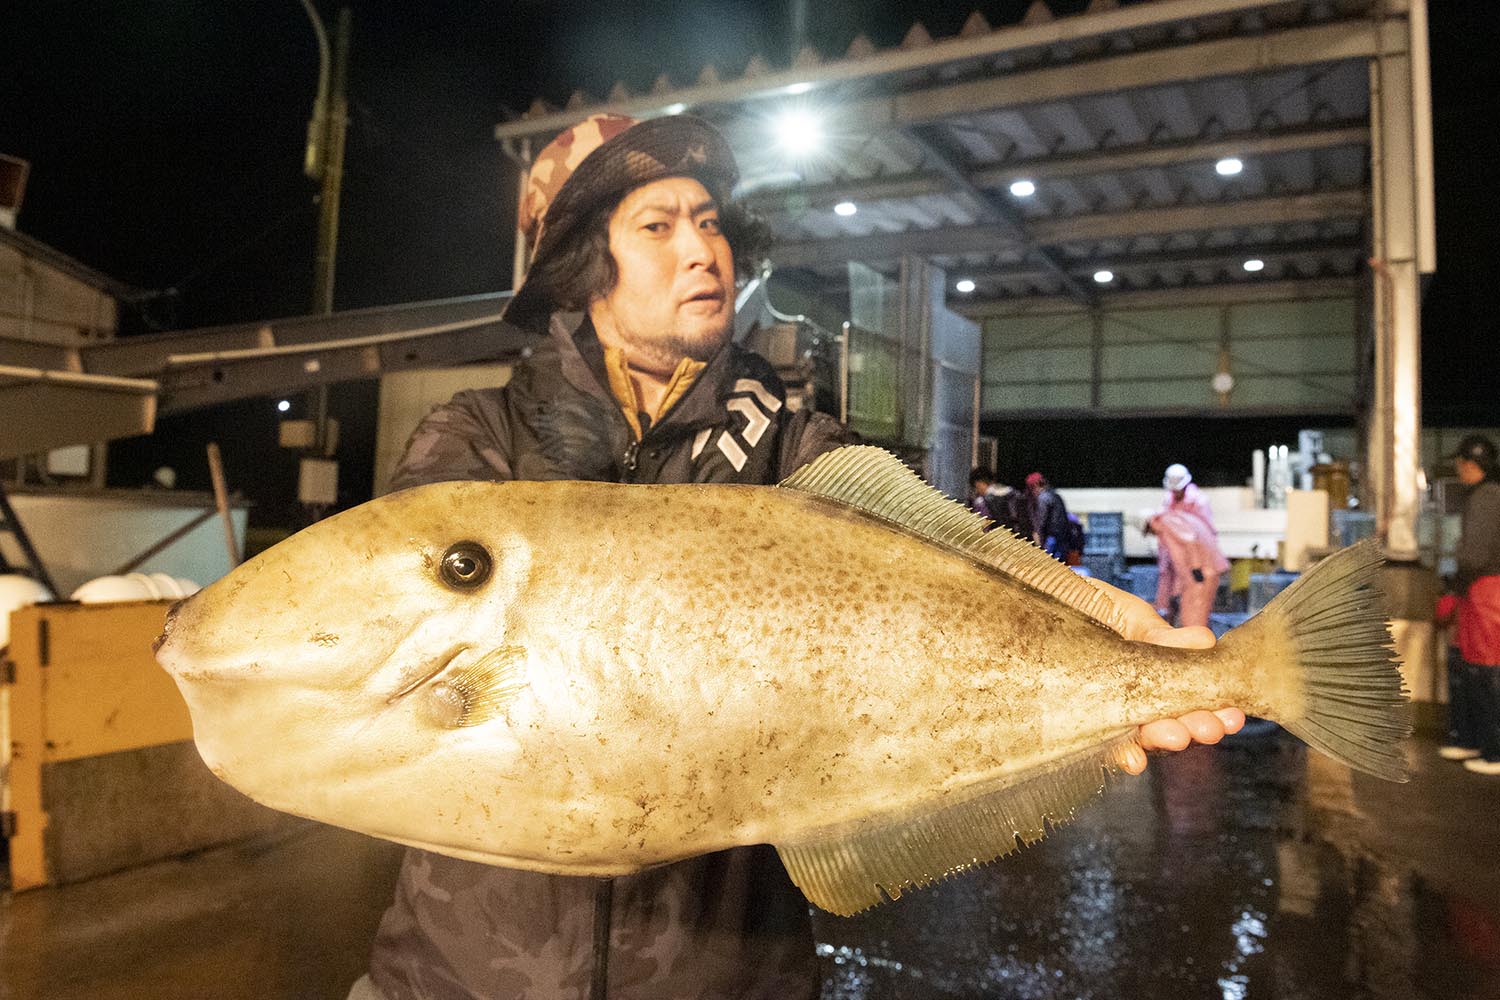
x: 166, y: 140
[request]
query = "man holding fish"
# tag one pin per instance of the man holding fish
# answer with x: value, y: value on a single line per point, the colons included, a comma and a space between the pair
x: 635, y: 654
x: 632, y: 280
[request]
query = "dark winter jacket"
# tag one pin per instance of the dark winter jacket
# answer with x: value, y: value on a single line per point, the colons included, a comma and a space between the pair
x: 726, y: 925
x: 1479, y: 538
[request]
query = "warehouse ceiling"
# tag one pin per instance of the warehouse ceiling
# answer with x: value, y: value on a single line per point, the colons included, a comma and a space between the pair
x: 1119, y: 120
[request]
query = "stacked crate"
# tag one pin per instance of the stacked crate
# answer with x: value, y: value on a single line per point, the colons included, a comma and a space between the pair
x: 1104, y: 544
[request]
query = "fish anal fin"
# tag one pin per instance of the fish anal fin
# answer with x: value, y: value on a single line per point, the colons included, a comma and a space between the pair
x: 879, y: 484
x: 479, y: 691
x: 853, y: 867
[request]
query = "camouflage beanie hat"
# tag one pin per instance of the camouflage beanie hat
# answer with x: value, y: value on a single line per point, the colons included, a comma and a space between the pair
x: 599, y: 160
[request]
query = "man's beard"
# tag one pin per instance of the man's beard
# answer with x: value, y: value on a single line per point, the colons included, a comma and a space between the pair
x: 662, y: 353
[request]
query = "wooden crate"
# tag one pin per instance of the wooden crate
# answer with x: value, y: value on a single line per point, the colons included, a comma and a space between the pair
x: 104, y: 774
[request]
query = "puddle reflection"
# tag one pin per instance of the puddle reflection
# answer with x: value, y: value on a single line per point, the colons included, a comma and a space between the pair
x: 1218, y: 875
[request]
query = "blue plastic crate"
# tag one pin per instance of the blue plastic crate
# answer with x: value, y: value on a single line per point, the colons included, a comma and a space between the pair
x: 1264, y: 586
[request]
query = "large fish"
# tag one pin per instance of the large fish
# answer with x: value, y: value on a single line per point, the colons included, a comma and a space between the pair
x: 591, y: 679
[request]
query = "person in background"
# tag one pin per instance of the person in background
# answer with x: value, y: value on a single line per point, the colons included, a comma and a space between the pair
x: 998, y: 502
x: 1188, y: 558
x: 1463, y: 724
x: 1052, y: 528
x: 1477, y: 584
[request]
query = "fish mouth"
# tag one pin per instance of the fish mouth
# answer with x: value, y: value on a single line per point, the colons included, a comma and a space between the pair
x: 166, y: 628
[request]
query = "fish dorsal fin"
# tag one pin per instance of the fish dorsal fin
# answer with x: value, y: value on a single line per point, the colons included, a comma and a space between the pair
x: 878, y: 483
x: 852, y: 867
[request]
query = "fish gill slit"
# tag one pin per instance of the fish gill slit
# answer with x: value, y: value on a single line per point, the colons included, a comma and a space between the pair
x: 443, y: 663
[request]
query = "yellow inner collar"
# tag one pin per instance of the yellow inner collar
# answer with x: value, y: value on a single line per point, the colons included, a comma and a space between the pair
x: 623, y: 387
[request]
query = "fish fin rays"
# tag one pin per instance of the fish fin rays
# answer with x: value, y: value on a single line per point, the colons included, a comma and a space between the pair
x: 853, y: 867
x: 480, y: 691
x: 1355, y: 707
x: 879, y: 484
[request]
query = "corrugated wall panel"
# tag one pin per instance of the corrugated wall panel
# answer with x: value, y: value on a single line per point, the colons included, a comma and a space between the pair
x: 1291, y: 355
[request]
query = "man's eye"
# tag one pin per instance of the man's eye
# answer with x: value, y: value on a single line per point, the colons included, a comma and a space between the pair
x: 656, y: 227
x: 710, y: 226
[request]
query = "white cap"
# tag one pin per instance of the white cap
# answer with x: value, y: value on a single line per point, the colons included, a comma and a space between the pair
x: 1177, y: 476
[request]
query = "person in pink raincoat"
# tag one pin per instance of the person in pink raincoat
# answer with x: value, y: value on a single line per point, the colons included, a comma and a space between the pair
x: 1188, y: 556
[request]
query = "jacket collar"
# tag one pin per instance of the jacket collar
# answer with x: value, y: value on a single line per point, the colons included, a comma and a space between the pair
x: 580, y: 356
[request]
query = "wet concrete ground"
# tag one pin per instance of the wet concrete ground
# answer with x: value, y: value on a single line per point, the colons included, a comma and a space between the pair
x: 1244, y: 872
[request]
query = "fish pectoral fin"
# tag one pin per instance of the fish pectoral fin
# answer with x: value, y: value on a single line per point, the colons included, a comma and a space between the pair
x: 875, y: 482
x: 479, y: 691
x: 855, y: 866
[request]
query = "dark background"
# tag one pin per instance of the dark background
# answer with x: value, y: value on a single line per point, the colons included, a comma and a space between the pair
x: 166, y: 141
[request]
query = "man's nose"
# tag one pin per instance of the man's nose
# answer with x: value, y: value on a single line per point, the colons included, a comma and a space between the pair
x: 697, y: 248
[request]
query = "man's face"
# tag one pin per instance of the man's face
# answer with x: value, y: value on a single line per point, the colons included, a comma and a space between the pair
x: 1469, y: 473
x: 674, y: 297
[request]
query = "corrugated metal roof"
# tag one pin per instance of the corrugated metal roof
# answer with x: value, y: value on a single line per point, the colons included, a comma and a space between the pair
x: 1117, y: 116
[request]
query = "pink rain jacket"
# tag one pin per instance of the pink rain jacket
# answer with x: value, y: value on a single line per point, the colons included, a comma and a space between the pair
x: 1186, y: 540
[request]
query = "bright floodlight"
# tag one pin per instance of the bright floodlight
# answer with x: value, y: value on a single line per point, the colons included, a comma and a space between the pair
x: 676, y: 109
x: 284, y: 405
x: 964, y: 285
x: 1104, y: 277
x: 1022, y: 188
x: 845, y: 208
x: 1254, y: 264
x: 1229, y: 166
x: 799, y: 88
x: 799, y: 132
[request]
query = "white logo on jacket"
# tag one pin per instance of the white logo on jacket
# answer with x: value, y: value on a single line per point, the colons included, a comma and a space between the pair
x: 756, y: 404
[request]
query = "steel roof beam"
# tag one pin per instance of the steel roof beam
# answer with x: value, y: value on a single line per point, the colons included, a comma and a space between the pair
x: 148, y: 355
x: 956, y: 240
x: 1237, y: 56
x: 1208, y: 257
x: 1273, y: 211
x: 1093, y: 163
x: 892, y: 61
x: 1221, y: 293
x: 1000, y: 213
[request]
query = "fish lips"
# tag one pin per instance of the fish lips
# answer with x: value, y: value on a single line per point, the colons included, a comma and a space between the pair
x: 168, y: 625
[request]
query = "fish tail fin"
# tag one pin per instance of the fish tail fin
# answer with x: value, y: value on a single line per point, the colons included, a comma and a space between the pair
x: 1352, y: 705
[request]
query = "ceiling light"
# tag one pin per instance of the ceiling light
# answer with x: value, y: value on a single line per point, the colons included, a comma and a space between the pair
x: 284, y: 405
x: 799, y: 132
x: 1022, y: 188
x: 1104, y: 277
x: 1229, y: 166
x: 845, y: 208
x: 1255, y: 264
x: 965, y: 285
x: 675, y: 109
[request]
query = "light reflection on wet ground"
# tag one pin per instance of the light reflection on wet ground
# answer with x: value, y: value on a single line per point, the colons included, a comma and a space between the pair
x: 1247, y: 872
x: 1242, y: 872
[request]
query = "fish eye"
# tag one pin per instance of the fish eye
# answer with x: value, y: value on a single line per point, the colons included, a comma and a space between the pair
x: 465, y: 565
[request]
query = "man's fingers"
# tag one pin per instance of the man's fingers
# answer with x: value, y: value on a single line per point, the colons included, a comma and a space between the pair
x: 1180, y: 733
x: 1233, y: 719
x: 1131, y: 758
x: 1187, y: 637
x: 1204, y: 727
x: 1165, y: 734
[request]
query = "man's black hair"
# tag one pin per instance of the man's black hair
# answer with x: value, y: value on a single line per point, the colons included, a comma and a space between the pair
x: 582, y: 269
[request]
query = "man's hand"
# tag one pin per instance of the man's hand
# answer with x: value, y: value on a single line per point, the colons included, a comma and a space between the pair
x: 1142, y: 624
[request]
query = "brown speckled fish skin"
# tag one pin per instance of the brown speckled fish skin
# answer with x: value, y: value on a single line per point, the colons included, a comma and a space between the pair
x: 702, y: 666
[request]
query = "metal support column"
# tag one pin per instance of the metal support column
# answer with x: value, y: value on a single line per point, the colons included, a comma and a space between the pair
x: 1400, y: 185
